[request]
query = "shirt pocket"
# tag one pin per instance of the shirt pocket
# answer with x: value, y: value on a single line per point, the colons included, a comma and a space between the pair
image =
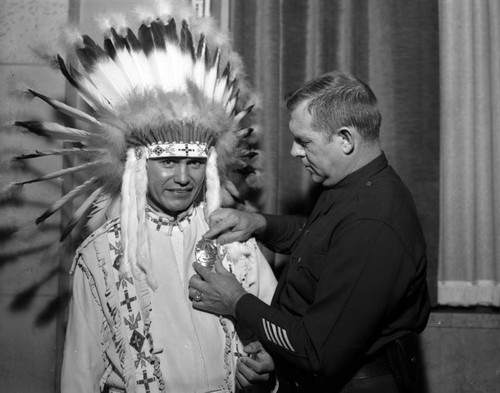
x: 312, y: 265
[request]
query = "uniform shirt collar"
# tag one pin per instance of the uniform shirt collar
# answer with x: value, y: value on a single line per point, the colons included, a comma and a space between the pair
x: 363, y: 173
x: 328, y: 196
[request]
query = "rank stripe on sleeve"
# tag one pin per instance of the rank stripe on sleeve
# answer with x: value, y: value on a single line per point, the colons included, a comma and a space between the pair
x: 277, y: 335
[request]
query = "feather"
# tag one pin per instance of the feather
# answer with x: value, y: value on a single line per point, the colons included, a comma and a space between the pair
x: 62, y: 172
x: 231, y: 189
x: 79, y: 213
x: 199, y: 68
x: 158, y: 34
x: 249, y: 154
x: 211, y: 75
x: 78, y: 190
x: 103, y: 72
x: 104, y: 208
x: 227, y: 94
x: 202, y: 45
x: 153, y: 45
x: 241, y: 115
x: 171, y: 32
x: 91, y: 96
x: 119, y: 41
x: 66, y: 109
x: 133, y: 43
x: 140, y: 60
x: 220, y: 89
x: 57, y: 152
x: 123, y: 59
x: 10, y: 191
x: 244, y: 132
x: 186, y: 43
x: 146, y: 39
x: 108, y: 79
x: 54, y: 130
x: 110, y: 49
x: 90, y: 54
x: 179, y: 66
x: 231, y: 103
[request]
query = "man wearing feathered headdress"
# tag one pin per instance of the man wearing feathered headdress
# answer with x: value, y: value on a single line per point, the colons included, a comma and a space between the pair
x: 165, y: 126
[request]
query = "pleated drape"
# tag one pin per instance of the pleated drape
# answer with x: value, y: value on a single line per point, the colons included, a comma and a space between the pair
x: 469, y: 270
x: 391, y: 45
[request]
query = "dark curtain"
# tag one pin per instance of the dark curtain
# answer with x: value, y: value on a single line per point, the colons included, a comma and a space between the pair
x: 391, y: 45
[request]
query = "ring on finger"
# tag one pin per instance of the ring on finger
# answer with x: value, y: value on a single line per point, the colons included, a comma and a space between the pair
x: 197, y: 296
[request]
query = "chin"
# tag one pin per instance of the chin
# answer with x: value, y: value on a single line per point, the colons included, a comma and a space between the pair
x: 318, y: 179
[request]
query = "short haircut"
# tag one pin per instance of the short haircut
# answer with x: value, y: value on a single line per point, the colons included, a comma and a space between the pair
x: 336, y: 100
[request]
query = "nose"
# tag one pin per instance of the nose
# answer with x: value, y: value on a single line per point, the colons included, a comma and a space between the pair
x: 297, y: 151
x: 181, y: 173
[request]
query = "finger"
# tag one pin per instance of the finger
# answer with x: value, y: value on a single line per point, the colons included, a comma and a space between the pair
x: 238, y: 384
x: 251, y: 370
x: 253, y: 365
x: 202, y: 271
x: 241, y: 379
x: 197, y: 284
x: 195, y: 281
x: 219, y: 267
x: 216, y: 217
x: 218, y: 224
x: 253, y: 347
x: 193, y: 292
x: 230, y: 237
x: 213, y: 233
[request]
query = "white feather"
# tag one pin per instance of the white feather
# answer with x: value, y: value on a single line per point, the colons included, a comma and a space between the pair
x: 210, y: 80
x: 111, y: 81
x: 220, y: 89
x: 213, y: 195
x: 142, y: 65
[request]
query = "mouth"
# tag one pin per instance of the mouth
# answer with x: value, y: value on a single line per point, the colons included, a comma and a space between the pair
x: 180, y: 191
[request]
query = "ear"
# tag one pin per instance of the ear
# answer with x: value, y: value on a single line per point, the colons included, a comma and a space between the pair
x: 348, y: 140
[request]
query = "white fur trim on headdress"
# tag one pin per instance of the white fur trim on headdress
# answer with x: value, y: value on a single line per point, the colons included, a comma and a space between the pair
x: 135, y: 241
x: 213, y: 195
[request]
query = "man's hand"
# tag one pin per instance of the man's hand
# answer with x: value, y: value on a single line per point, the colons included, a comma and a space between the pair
x: 229, y: 225
x: 256, y: 368
x: 215, y: 291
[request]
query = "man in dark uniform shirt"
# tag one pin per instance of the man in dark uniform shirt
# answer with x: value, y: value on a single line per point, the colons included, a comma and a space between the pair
x: 354, y: 295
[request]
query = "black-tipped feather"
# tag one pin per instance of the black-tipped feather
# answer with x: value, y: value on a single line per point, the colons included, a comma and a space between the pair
x: 82, y: 211
x: 54, y: 130
x: 90, y: 54
x: 67, y: 74
x: 66, y: 109
x: 227, y: 71
x: 75, y: 192
x: 109, y: 47
x: 133, y: 42
x: 187, y: 40
x: 201, y: 47
x: 55, y: 152
x: 61, y: 173
x: 215, y: 60
x: 119, y: 41
x: 146, y: 39
x: 171, y: 32
x: 158, y: 34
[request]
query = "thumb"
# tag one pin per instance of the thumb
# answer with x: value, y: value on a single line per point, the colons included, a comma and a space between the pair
x: 202, y: 271
x: 219, y: 267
